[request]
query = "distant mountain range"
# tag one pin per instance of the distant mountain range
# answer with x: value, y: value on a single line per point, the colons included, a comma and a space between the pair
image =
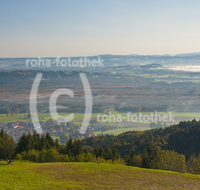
x: 10, y: 64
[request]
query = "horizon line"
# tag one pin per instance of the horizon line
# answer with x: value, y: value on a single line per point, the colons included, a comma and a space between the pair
x: 105, y: 54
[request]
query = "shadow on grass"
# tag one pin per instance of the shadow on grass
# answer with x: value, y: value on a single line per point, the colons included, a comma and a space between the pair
x: 3, y: 163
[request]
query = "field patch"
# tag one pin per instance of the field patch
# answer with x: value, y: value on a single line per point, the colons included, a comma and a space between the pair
x: 122, y: 130
x: 25, y: 175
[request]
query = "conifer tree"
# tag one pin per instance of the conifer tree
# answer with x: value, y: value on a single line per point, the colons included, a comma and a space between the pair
x: 57, y: 144
x: 132, y: 152
x: 108, y: 154
x: 42, y: 144
x: 7, y: 145
x: 21, y: 145
x: 77, y: 148
x: 69, y: 147
x: 28, y: 142
x: 49, y: 141
x: 36, y: 140
x: 114, y: 153
x: 147, y: 156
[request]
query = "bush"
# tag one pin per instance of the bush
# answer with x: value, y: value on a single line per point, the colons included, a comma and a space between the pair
x: 193, y: 164
x: 101, y: 160
x: 169, y: 160
x: 89, y: 157
x: 119, y: 161
x: 18, y: 157
x: 79, y: 158
x: 33, y: 155
x: 24, y: 155
x: 51, y: 155
x: 136, y: 161
x: 42, y: 156
x: 64, y: 158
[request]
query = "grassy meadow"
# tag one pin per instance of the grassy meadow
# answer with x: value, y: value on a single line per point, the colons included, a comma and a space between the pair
x: 122, y: 130
x: 78, y: 117
x: 72, y: 175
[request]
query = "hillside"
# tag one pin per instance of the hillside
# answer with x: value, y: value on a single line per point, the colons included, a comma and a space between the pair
x: 24, y: 175
x: 184, y: 138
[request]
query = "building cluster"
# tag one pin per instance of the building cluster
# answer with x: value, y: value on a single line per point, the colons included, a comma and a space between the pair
x: 54, y: 128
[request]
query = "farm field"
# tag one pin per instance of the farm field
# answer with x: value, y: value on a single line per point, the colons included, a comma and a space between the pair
x: 68, y: 175
x: 176, y: 114
x: 78, y: 117
x: 41, y: 116
x: 122, y: 130
x: 15, y: 117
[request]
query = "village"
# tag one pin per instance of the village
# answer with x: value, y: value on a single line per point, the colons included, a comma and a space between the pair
x: 54, y: 128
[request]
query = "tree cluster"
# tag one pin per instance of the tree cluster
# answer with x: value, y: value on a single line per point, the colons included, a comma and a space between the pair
x: 182, y: 138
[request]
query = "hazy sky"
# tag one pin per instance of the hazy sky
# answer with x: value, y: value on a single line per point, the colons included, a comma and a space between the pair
x: 92, y: 27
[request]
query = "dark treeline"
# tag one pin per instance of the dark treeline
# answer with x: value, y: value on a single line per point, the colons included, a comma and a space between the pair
x: 162, y: 108
x: 81, y: 109
x: 136, y: 109
x: 20, y: 108
x: 184, y: 138
x: 43, y: 148
x: 157, y: 148
x: 24, y: 108
x: 28, y: 76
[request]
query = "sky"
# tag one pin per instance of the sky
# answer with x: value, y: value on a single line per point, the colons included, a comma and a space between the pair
x: 51, y: 28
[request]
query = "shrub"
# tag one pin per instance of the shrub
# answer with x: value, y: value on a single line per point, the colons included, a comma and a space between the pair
x: 51, y: 155
x: 136, y: 161
x: 33, y: 155
x: 42, y: 155
x: 89, y: 157
x: 169, y: 160
x: 79, y: 158
x: 64, y: 158
x: 193, y: 164
x: 24, y: 155
x: 18, y: 157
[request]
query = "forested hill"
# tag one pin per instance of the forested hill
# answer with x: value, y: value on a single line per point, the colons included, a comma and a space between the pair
x: 184, y: 138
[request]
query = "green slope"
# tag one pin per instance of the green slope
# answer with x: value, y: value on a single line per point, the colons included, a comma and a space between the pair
x: 24, y: 175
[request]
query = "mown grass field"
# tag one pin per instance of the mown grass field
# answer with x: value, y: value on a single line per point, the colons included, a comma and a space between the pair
x: 41, y: 116
x: 78, y: 117
x: 122, y: 130
x: 25, y: 175
x: 15, y: 117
